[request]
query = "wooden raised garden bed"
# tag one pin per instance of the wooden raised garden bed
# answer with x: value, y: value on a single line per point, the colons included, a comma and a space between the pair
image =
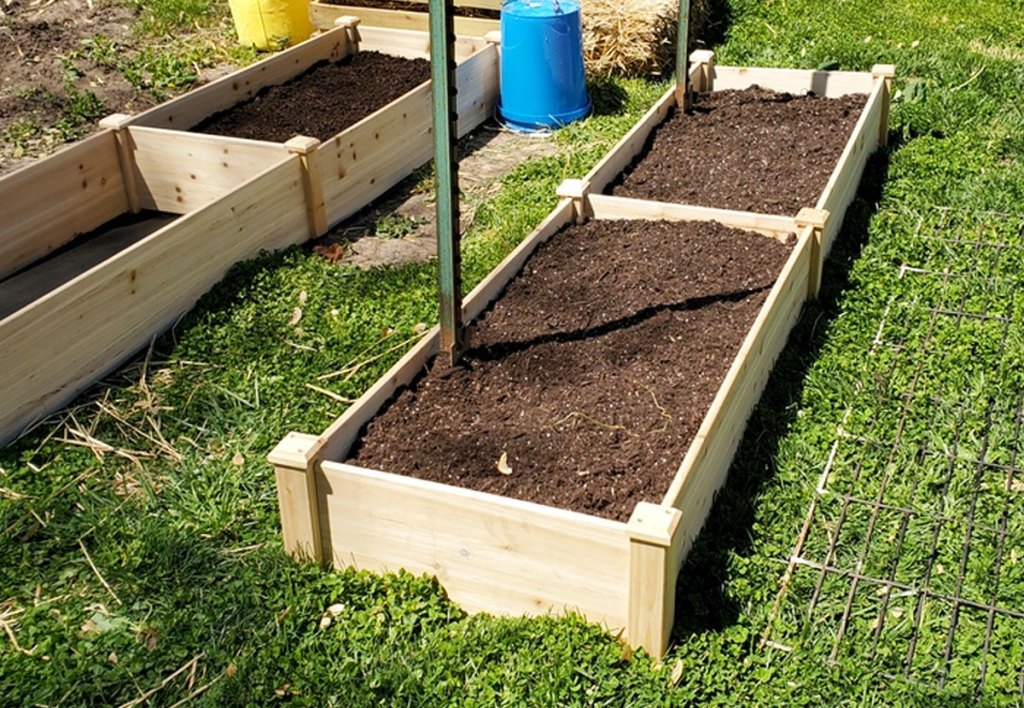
x: 68, y: 315
x: 869, y: 132
x: 93, y: 304
x: 347, y: 170
x: 507, y: 555
x: 497, y: 554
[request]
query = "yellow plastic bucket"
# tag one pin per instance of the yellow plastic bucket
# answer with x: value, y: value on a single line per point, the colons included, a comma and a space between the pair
x: 271, y: 24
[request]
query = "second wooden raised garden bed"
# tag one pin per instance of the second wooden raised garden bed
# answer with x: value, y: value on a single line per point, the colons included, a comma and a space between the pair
x: 94, y: 304
x: 357, y: 163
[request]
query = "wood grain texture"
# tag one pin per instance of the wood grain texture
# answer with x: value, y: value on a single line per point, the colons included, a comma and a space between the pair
x: 324, y: 16
x: 707, y: 461
x: 842, y: 185
x: 89, y: 325
x: 179, y: 172
x: 491, y: 554
x: 609, y: 207
x: 831, y: 84
x: 49, y: 202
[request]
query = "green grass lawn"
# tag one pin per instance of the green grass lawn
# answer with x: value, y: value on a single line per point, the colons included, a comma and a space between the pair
x: 139, y: 547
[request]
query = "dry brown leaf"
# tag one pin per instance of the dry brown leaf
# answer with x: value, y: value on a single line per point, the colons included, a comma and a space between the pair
x: 238, y: 460
x: 303, y: 296
x: 332, y: 253
x: 296, y: 316
x: 112, y: 657
x: 231, y: 670
x: 503, y: 465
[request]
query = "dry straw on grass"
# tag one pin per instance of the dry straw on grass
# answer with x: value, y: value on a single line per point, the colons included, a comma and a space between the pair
x: 634, y: 37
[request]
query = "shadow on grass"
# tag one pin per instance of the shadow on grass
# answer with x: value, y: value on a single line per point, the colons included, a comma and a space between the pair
x: 701, y: 603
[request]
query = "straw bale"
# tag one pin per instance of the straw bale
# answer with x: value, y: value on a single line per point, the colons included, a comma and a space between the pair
x: 634, y: 37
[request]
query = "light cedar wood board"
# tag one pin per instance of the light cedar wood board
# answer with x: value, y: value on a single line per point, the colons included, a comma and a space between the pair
x: 842, y: 185
x: 89, y: 325
x: 376, y: 153
x: 178, y: 172
x: 412, y: 44
x: 49, y: 202
x: 324, y: 16
x: 605, y: 207
x: 707, y: 462
x: 491, y: 553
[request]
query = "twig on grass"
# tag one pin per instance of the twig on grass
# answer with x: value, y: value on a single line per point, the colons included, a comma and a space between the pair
x: 163, y: 684
x: 95, y: 570
x: 330, y: 394
x: 6, y: 621
x: 353, y: 366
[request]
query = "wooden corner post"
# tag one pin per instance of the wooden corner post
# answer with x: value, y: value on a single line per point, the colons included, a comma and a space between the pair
x: 652, y: 576
x: 578, y: 190
x: 118, y: 123
x: 351, y: 23
x: 705, y: 59
x: 884, y: 72
x: 294, y: 461
x: 312, y: 184
x: 815, y: 220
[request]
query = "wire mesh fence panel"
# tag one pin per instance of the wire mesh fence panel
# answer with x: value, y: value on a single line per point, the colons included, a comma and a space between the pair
x: 911, y: 554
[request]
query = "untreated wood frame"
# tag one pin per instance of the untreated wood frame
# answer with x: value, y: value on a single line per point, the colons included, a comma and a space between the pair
x: 500, y: 555
x: 219, y: 184
x: 346, y: 172
x: 60, y: 343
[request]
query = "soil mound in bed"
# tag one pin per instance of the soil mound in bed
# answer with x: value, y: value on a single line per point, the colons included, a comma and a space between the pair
x: 321, y: 102
x: 750, y: 150
x: 593, y: 371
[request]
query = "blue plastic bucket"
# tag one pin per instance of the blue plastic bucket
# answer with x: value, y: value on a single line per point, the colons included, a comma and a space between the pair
x: 542, y: 80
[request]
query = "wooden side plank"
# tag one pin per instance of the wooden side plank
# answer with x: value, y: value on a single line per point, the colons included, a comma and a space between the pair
x: 411, y: 44
x: 376, y: 153
x: 373, y: 155
x: 46, y: 204
x: 491, y: 554
x: 179, y: 172
x: 707, y: 461
x: 336, y: 440
x: 325, y: 15
x: 608, y: 207
x: 630, y: 145
x: 88, y: 326
x: 185, y: 111
x: 842, y: 185
x: 799, y: 81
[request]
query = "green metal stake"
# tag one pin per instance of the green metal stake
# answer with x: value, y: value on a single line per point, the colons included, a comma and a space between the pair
x: 446, y: 171
x: 682, y: 58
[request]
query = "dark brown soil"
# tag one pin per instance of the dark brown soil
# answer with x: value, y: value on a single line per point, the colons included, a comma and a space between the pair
x: 750, y: 150
x: 593, y: 371
x: 323, y: 101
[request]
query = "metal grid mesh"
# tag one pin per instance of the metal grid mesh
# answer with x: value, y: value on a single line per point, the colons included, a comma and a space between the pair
x: 911, y: 554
